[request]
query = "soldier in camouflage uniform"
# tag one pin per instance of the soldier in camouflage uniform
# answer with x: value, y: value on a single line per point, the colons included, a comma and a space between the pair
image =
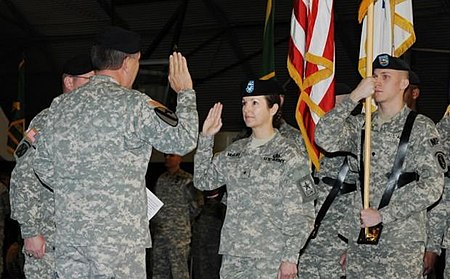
x: 442, y: 211
x: 320, y: 257
x: 4, y: 211
x: 172, y: 234
x: 32, y: 202
x: 270, y: 190
x: 94, y: 152
x: 400, y: 250
x: 206, y: 259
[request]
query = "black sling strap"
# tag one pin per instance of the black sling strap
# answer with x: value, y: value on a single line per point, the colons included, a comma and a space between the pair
x: 331, y: 197
x: 399, y: 160
x: 396, y: 176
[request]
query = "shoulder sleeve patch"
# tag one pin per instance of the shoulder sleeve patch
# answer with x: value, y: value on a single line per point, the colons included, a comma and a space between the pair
x: 307, y: 188
x: 22, y: 149
x: 167, y: 116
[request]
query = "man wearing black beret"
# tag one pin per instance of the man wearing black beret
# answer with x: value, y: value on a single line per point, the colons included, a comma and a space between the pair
x: 76, y: 72
x: 31, y: 202
x: 94, y: 153
x: 406, y: 177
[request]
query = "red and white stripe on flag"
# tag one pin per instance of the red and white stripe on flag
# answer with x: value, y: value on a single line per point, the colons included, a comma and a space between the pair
x: 311, y: 65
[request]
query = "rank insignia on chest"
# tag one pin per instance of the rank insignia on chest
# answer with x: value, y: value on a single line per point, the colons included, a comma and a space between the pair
x: 246, y: 173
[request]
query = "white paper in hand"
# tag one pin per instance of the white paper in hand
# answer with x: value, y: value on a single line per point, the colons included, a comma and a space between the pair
x: 153, y: 204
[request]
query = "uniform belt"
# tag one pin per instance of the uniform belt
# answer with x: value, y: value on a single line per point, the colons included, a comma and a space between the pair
x: 345, y: 188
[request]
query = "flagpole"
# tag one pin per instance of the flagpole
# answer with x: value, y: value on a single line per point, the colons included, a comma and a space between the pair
x: 368, y: 108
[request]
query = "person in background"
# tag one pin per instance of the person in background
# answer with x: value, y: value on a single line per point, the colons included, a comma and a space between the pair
x: 31, y: 201
x: 438, y: 228
x: 270, y: 191
x: 412, y: 93
x: 206, y: 259
x: 94, y: 153
x: 172, y: 226
x: 4, y: 212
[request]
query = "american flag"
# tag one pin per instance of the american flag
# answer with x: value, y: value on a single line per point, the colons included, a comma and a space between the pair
x: 311, y: 65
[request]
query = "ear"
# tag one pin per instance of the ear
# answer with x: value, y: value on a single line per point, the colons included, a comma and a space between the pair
x: 68, y: 82
x: 415, y: 93
x: 274, y: 109
x: 404, y: 83
x: 125, y: 64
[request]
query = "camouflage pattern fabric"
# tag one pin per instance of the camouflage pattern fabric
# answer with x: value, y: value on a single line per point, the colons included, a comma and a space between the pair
x: 4, y: 211
x: 234, y: 267
x: 404, y: 219
x: 44, y: 268
x: 320, y: 258
x: 443, y: 209
x: 94, y: 152
x: 270, y: 196
x: 32, y: 205
x: 294, y: 134
x: 205, y: 240
x: 172, y: 234
x: 435, y: 226
x: 106, y: 262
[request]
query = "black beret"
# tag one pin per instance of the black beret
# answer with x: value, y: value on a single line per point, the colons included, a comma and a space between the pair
x: 413, y: 78
x: 385, y: 61
x: 120, y: 39
x: 78, y: 65
x: 256, y: 87
x: 341, y: 89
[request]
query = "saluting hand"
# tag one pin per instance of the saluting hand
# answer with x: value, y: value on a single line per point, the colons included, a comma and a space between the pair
x: 364, y: 89
x: 179, y: 76
x: 213, y: 121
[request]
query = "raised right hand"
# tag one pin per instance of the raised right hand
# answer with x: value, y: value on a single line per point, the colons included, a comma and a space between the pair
x: 213, y: 121
x: 179, y: 76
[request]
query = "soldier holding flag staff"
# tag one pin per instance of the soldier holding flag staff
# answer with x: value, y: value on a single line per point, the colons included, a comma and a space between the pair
x: 407, y: 163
